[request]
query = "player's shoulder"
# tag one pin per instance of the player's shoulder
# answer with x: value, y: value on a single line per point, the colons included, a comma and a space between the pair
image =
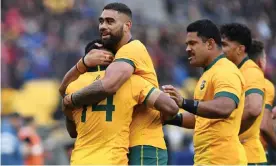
x: 133, y: 46
x: 251, y: 70
x: 268, y: 82
x: 226, y: 66
x: 251, y: 66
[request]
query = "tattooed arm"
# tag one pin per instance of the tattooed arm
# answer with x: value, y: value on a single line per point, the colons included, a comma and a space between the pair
x: 116, y: 75
x: 93, y: 58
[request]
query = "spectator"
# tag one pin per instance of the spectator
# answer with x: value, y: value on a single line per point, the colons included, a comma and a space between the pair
x: 33, y: 150
x: 11, y: 153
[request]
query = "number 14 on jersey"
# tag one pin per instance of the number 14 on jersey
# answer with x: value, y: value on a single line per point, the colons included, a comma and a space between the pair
x: 108, y: 108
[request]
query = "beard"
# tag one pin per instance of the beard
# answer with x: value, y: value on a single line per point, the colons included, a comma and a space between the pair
x: 113, y: 40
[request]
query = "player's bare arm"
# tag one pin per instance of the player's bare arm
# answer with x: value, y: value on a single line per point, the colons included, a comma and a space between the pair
x: 116, y: 75
x: 69, y: 77
x: 93, y: 58
x: 71, y: 128
x: 162, y: 103
x: 267, y: 129
x: 252, y: 109
x: 273, y: 113
x: 220, y: 107
x: 185, y: 119
x: 70, y: 124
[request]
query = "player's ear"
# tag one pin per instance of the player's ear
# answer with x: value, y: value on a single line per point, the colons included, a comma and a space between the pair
x: 127, y: 26
x: 241, y: 49
x: 210, y: 44
x: 262, y: 63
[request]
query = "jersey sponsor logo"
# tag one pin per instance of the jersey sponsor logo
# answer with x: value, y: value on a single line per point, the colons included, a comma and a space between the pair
x: 202, y: 86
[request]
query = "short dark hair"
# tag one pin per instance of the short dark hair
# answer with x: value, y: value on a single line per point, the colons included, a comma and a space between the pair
x: 237, y: 32
x: 120, y: 7
x: 205, y: 29
x: 91, y: 45
x: 256, y: 50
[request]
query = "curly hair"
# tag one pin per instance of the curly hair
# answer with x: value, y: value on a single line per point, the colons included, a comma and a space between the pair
x: 237, y: 32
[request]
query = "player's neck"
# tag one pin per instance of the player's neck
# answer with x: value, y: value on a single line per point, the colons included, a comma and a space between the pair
x: 239, y: 59
x: 123, y: 42
x: 213, y: 57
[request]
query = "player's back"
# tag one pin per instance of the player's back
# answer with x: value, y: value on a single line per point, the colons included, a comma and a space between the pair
x: 146, y: 127
x: 103, y: 129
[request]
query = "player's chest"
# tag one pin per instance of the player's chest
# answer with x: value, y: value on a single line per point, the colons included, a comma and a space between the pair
x: 203, y: 89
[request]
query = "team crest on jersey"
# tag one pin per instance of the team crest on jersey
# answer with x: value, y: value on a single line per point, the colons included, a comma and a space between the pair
x: 202, y: 86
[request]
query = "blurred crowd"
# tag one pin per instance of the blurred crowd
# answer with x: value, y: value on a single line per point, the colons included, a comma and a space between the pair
x: 43, y: 39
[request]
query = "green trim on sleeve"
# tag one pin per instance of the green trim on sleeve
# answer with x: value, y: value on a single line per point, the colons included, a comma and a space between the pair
x: 127, y: 61
x: 145, y: 101
x: 254, y: 90
x: 229, y: 95
x: 268, y: 106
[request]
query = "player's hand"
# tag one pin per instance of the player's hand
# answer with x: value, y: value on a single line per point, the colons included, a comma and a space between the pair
x: 98, y: 57
x: 174, y: 94
x: 62, y: 91
x: 67, y: 101
x: 273, y: 113
x: 67, y: 111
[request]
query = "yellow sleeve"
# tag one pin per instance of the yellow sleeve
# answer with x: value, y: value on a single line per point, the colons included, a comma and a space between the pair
x: 134, y: 53
x: 228, y: 84
x: 254, y: 81
x: 127, y: 55
x: 269, y: 94
x: 141, y: 89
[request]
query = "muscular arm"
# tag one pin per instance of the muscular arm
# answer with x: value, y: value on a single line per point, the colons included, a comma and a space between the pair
x: 252, y: 109
x: 93, y: 58
x: 72, y: 75
x: 169, y: 108
x: 70, y: 124
x: 116, y: 75
x: 220, y: 107
x: 273, y: 112
x: 267, y: 129
x: 71, y: 128
x: 188, y: 120
x: 163, y: 103
x: 185, y: 119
